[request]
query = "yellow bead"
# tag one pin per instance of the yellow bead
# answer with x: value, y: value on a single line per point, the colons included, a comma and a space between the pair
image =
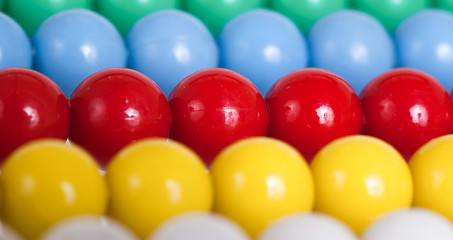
x: 258, y: 180
x: 358, y: 178
x: 432, y: 172
x: 46, y: 181
x: 154, y: 179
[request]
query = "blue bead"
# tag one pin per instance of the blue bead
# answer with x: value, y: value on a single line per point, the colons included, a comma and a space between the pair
x: 425, y: 41
x: 262, y: 45
x: 15, y: 47
x: 169, y: 45
x: 73, y: 44
x: 352, y: 44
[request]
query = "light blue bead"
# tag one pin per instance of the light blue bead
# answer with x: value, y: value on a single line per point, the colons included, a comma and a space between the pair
x: 262, y: 45
x: 15, y: 47
x: 353, y: 45
x: 425, y: 41
x: 73, y: 44
x: 169, y: 45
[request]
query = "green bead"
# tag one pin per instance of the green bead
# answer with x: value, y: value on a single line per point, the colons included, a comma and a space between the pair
x: 31, y: 13
x: 215, y: 13
x: 306, y: 12
x: 444, y: 4
x: 124, y: 13
x: 391, y: 12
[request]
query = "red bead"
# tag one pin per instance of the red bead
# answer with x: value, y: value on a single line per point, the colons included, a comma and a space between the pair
x: 310, y: 107
x: 31, y: 107
x: 406, y: 108
x: 114, y: 107
x: 215, y: 107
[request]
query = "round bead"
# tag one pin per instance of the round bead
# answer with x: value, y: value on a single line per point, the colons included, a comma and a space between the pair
x: 353, y: 45
x: 262, y: 45
x: 406, y: 108
x: 359, y: 178
x: 31, y: 107
x: 259, y: 180
x: 424, y: 41
x: 215, y: 107
x: 155, y: 179
x: 115, y: 107
x: 46, y: 181
x: 432, y: 172
x: 310, y: 107
x: 73, y: 44
x: 169, y: 45
x: 15, y: 47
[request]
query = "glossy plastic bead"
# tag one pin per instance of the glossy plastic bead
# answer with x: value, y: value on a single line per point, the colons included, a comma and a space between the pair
x: 15, y: 47
x: 31, y: 107
x: 73, y: 44
x: 169, y: 45
x: 215, y: 107
x: 46, y: 181
x: 406, y: 108
x: 262, y: 45
x: 432, y: 171
x: 309, y: 108
x: 259, y: 180
x: 153, y: 180
x: 353, y: 45
x: 425, y: 41
x: 115, y: 107
x: 359, y: 178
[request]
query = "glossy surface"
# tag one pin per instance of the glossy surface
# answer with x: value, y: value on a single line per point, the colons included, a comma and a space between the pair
x: 73, y: 44
x: 406, y: 108
x: 425, y: 41
x: 258, y: 180
x: 115, y: 107
x: 31, y: 107
x: 262, y: 45
x: 308, y: 226
x: 215, y: 13
x: 199, y: 226
x: 432, y: 171
x: 359, y: 178
x: 169, y: 45
x: 31, y: 13
x: 216, y: 107
x: 124, y: 13
x: 15, y: 47
x: 308, y: 108
x: 88, y: 227
x: 391, y: 12
x: 412, y: 223
x: 353, y: 45
x: 153, y: 180
x: 46, y: 181
x: 306, y: 12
